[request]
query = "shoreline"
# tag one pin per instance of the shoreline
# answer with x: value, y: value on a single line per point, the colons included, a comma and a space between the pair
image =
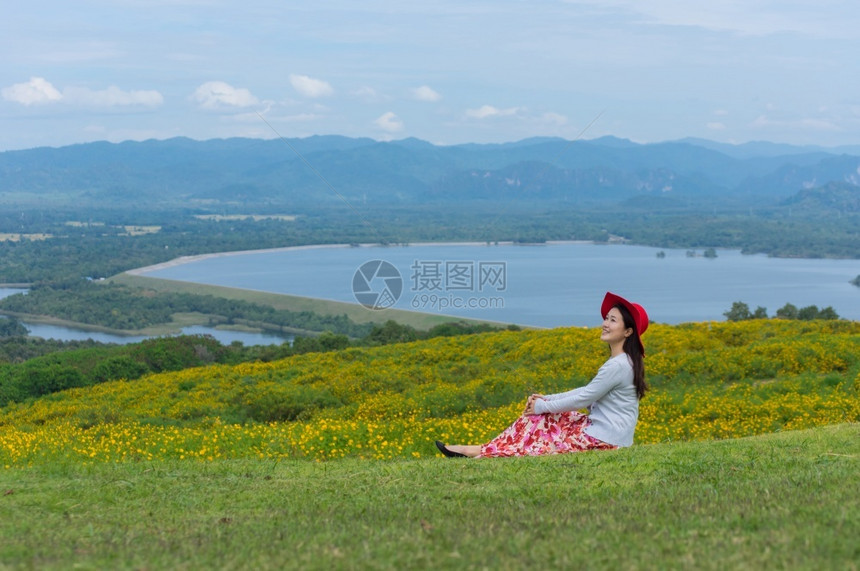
x: 181, y: 260
x: 59, y: 322
x: 198, y: 257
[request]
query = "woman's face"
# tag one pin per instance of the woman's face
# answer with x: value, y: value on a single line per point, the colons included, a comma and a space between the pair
x: 613, y: 328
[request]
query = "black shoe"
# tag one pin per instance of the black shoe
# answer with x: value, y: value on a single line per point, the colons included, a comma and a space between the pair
x: 448, y: 453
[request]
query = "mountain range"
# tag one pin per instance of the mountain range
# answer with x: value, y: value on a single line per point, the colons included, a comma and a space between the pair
x: 323, y: 169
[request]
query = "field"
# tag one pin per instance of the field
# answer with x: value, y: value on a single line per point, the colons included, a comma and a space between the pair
x: 746, y: 457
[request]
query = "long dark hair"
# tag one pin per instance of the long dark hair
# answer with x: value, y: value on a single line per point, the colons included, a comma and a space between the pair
x: 633, y: 348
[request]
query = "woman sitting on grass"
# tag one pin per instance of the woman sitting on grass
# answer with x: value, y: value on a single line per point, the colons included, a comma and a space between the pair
x: 550, y: 423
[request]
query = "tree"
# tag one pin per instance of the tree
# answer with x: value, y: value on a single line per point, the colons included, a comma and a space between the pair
x: 828, y: 313
x: 332, y: 342
x: 787, y: 311
x: 759, y: 313
x: 391, y: 332
x: 43, y: 380
x: 808, y: 313
x: 739, y: 312
x: 119, y: 367
x: 11, y: 327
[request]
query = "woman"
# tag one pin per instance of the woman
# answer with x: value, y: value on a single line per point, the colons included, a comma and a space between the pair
x: 550, y: 423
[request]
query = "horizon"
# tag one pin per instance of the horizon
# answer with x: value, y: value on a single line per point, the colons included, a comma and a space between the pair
x: 850, y: 148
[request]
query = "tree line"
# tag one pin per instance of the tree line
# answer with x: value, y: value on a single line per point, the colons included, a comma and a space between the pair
x: 740, y: 311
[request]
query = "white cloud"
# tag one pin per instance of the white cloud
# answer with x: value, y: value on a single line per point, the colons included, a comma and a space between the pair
x: 38, y: 91
x: 389, y: 122
x: 716, y: 126
x: 367, y: 94
x: 486, y: 111
x: 310, y: 87
x: 113, y: 96
x: 554, y: 118
x: 34, y: 92
x: 217, y: 94
x: 426, y: 93
x: 761, y: 121
x: 295, y: 118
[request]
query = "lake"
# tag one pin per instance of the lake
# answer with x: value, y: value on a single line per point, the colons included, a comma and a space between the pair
x: 548, y: 285
x: 64, y: 333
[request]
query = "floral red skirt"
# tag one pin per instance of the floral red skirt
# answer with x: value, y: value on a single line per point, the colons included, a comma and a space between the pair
x: 536, y: 434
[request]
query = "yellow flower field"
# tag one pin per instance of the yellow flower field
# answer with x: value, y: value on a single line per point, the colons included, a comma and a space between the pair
x: 709, y: 380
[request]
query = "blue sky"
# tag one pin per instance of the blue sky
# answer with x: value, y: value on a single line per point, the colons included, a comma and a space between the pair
x: 446, y: 72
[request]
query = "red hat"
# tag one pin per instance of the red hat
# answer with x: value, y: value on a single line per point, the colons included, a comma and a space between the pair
x: 640, y: 318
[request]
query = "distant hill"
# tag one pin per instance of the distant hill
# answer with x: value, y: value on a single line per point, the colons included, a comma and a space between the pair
x: 754, y: 149
x: 841, y: 197
x: 297, y: 172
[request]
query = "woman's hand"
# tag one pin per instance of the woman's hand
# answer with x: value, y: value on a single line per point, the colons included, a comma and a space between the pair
x: 530, y: 403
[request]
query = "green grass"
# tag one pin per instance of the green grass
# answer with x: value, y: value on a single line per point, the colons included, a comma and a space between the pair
x: 786, y: 500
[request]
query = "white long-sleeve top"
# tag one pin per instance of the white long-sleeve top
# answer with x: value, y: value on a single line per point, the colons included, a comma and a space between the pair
x: 610, y: 398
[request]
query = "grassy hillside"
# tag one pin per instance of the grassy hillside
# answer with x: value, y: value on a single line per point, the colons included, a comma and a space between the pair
x: 207, y: 467
x: 709, y: 380
x: 779, y: 501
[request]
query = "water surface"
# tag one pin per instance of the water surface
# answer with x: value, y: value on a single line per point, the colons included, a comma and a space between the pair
x: 547, y: 285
